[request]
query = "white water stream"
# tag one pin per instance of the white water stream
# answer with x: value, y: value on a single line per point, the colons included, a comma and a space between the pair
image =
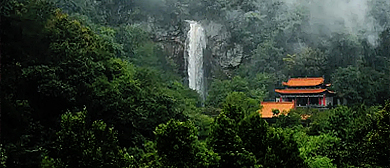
x: 196, y: 45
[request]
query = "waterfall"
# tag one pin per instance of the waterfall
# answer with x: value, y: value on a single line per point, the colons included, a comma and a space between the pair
x: 196, y: 45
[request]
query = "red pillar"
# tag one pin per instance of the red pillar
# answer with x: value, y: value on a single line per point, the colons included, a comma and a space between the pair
x: 280, y: 99
x: 323, y: 100
x: 319, y: 101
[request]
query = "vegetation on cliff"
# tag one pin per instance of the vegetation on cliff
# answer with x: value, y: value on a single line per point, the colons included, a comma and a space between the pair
x: 85, y: 84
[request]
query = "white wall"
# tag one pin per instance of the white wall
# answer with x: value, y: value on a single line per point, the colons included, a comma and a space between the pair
x: 329, y: 100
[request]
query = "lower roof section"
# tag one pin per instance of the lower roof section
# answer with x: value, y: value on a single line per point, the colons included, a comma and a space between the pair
x: 283, y: 107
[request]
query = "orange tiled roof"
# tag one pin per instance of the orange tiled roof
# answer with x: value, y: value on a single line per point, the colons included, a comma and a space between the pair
x: 304, y: 81
x: 283, y: 107
x: 299, y: 91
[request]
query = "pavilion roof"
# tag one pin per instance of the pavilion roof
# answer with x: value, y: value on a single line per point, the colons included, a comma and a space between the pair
x: 300, y: 91
x: 294, y: 82
x: 283, y: 107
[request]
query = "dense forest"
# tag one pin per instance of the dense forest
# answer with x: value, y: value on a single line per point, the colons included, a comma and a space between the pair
x: 92, y: 83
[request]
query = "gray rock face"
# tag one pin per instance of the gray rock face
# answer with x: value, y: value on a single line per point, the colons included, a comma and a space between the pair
x: 222, y: 52
x: 226, y: 53
x: 171, y: 38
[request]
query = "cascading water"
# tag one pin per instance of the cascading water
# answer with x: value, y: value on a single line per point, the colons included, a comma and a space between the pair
x: 196, y: 45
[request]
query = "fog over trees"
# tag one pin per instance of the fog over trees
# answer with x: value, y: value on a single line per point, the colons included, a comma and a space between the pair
x: 93, y: 83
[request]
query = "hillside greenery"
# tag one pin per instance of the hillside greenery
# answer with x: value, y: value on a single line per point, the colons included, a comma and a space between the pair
x: 84, y: 84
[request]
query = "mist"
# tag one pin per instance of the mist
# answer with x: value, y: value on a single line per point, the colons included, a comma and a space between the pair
x: 341, y: 16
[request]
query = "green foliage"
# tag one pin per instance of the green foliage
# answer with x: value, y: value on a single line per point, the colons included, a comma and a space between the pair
x: 223, y: 131
x: 251, y: 138
x: 344, y: 56
x: 53, y: 66
x: 253, y: 130
x: 225, y: 141
x: 290, y: 120
x: 101, y: 11
x: 48, y: 162
x: 352, y: 127
x: 384, y: 45
x: 108, y: 35
x: 217, y: 92
x: 177, y: 145
x: 262, y: 85
x: 61, y: 61
x: 202, y: 122
x: 316, y: 150
x: 48, y: 63
x: 253, y: 89
x: 3, y: 156
x: 380, y: 137
x: 337, y: 122
x: 189, y: 101
x: 239, y: 99
x: 137, y: 46
x: 81, y: 145
x: 266, y: 58
x: 321, y: 162
x: 310, y: 62
x: 282, y: 150
x: 361, y: 85
x: 149, y: 156
x: 206, y: 157
x: 135, y: 101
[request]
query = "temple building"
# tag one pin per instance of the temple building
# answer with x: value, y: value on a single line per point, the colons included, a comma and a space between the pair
x: 299, y: 92
x: 306, y: 92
